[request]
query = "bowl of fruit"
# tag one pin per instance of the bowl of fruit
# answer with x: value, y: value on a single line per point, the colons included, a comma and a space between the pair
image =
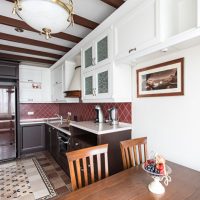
x: 159, y: 171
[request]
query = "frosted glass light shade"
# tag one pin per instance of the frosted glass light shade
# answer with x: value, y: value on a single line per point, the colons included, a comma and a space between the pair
x: 40, y: 14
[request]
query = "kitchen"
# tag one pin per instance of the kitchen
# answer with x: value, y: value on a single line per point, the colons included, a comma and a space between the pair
x: 104, y: 87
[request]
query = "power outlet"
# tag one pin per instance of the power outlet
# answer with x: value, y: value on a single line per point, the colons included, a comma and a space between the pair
x: 30, y: 113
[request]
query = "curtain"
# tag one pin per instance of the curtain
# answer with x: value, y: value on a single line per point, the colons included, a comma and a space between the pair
x: 7, y: 101
x: 3, y: 101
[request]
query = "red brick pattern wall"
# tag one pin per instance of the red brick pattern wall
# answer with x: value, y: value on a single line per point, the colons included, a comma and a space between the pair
x: 41, y: 110
x: 83, y: 111
x: 86, y: 111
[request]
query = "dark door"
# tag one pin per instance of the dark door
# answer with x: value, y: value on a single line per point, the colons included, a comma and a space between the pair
x: 7, y: 121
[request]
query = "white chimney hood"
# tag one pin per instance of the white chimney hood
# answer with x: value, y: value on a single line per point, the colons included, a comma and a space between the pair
x: 74, y: 89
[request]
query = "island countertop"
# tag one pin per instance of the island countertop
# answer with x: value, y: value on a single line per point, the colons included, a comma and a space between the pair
x: 101, y: 128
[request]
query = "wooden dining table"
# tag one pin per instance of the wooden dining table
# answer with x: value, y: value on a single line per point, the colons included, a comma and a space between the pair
x: 132, y: 184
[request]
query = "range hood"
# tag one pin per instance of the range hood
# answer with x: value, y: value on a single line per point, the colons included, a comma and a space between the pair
x: 74, y: 89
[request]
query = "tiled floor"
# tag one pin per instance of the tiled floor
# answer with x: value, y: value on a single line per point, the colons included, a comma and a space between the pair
x: 7, y: 145
x: 57, y: 177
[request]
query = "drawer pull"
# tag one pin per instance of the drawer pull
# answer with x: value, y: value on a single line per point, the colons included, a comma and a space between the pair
x: 134, y: 49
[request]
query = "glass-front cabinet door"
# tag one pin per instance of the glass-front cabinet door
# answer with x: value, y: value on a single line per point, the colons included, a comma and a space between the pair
x: 88, y: 58
x: 103, y: 46
x: 103, y: 82
x: 102, y: 49
x: 88, y: 85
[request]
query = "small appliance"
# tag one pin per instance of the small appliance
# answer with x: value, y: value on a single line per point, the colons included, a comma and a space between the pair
x: 99, y: 114
x: 113, y: 115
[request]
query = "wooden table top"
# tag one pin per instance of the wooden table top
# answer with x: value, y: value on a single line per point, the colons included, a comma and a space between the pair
x: 132, y: 184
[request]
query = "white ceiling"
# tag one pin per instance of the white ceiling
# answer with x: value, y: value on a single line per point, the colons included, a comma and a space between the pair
x: 94, y: 10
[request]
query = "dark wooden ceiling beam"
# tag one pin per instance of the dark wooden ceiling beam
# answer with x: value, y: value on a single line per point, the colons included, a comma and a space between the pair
x: 25, y: 58
x: 28, y: 41
x: 21, y: 24
x: 29, y: 51
x: 80, y: 20
x: 114, y: 3
x: 85, y: 22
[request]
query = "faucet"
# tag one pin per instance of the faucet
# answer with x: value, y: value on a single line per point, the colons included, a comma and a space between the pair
x: 60, y: 117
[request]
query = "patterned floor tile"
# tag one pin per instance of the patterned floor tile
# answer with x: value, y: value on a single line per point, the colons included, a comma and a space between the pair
x: 26, y: 182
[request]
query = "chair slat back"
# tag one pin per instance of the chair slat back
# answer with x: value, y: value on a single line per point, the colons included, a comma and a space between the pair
x: 134, y: 152
x: 88, y: 165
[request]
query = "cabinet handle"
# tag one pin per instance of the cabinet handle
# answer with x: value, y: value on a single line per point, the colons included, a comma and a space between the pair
x: 30, y: 80
x: 93, y: 92
x: 93, y: 61
x: 30, y: 99
x: 130, y: 50
x: 76, y: 144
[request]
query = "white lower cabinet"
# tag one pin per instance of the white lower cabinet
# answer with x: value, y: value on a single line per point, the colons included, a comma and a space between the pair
x: 100, y: 85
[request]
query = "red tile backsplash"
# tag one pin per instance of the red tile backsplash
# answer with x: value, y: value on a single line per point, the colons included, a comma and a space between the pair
x: 83, y: 111
x: 41, y: 110
x: 86, y: 111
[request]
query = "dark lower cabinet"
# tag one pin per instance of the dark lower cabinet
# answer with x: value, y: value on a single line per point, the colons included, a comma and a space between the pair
x: 32, y: 138
x: 58, y: 144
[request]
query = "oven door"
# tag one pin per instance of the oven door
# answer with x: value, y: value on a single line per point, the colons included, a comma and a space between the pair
x: 63, y: 143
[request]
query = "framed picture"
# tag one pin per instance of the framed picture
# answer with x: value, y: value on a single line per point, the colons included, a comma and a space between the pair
x: 165, y: 79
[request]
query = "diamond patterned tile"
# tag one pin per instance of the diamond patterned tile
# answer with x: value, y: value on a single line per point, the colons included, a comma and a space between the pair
x: 83, y: 111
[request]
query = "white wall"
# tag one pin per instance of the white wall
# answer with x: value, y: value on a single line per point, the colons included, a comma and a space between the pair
x: 172, y: 124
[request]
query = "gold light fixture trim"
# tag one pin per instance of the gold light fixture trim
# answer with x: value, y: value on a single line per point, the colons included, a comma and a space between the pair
x: 47, y: 31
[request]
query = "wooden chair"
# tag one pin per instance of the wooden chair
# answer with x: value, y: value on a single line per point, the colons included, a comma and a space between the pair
x: 134, y: 152
x: 88, y: 165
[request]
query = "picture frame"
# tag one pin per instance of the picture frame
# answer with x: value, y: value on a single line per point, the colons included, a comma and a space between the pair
x: 164, y: 79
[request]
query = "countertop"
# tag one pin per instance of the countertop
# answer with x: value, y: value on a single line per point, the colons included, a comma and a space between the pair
x: 90, y: 126
x: 101, y: 128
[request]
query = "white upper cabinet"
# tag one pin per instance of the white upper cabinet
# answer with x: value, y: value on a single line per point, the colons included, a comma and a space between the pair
x: 96, y: 84
x: 30, y: 75
x: 137, y: 30
x: 98, y: 52
x: 109, y: 83
x: 178, y: 16
x: 34, y: 84
x: 61, y: 77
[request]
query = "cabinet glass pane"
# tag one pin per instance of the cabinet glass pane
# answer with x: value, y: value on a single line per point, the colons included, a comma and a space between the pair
x: 88, y: 85
x: 103, y: 82
x: 88, y: 57
x: 102, y: 49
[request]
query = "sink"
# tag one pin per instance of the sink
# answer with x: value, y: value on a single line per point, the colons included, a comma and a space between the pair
x: 66, y: 128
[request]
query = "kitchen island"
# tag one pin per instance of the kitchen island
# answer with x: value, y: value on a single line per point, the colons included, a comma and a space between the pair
x: 91, y: 134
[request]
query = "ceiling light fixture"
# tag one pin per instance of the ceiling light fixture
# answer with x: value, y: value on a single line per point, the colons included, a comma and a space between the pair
x: 46, y: 16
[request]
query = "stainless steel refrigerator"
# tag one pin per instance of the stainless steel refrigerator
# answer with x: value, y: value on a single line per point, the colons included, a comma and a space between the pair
x: 7, y: 121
